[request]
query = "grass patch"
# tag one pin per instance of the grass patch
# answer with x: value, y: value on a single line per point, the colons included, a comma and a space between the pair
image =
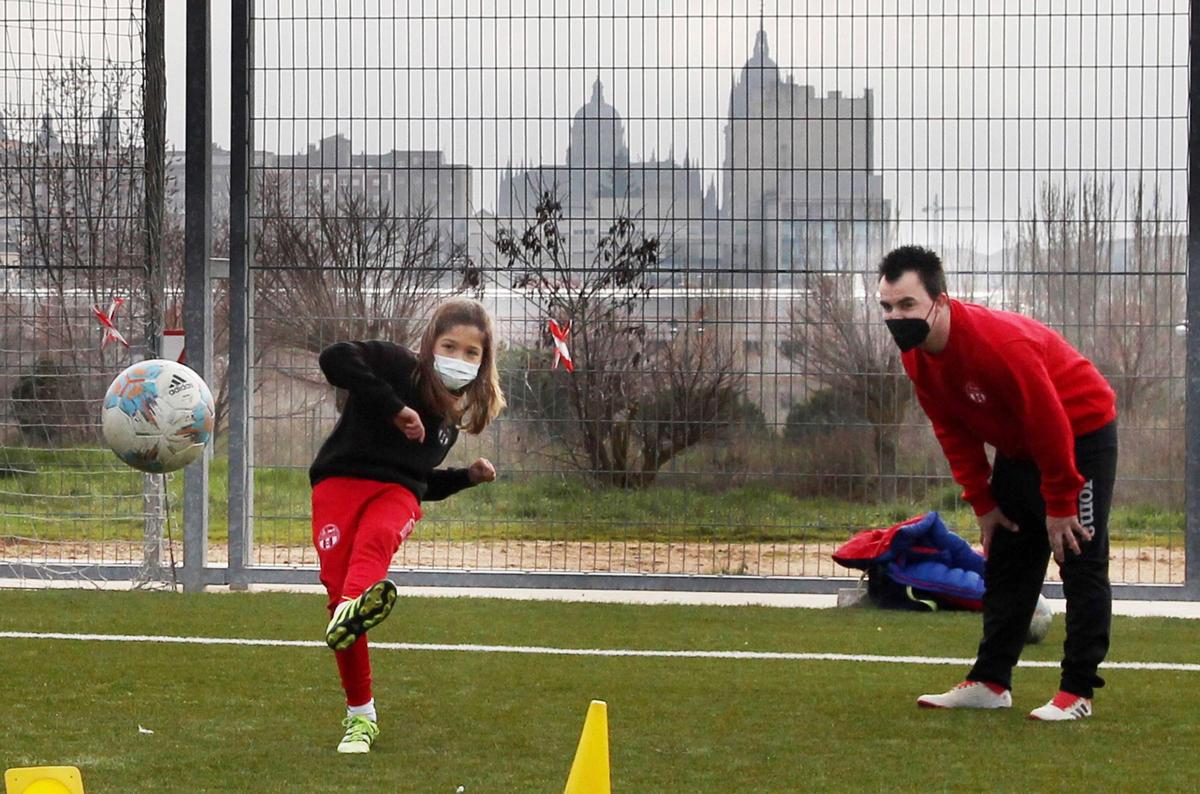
x: 86, y: 494
x: 258, y: 718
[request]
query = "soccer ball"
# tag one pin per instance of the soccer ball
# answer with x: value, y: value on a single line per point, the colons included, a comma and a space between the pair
x: 158, y: 416
x: 1039, y: 627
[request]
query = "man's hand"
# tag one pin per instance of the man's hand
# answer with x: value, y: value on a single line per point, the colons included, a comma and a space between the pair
x: 481, y: 470
x: 409, y: 422
x: 987, y: 527
x: 1062, y: 531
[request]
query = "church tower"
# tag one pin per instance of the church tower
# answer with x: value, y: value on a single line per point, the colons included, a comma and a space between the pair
x: 753, y: 149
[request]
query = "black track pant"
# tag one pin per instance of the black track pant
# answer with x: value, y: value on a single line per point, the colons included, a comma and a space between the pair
x: 1016, y: 568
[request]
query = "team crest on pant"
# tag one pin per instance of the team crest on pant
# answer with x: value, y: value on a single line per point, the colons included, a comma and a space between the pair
x: 975, y: 392
x: 328, y: 537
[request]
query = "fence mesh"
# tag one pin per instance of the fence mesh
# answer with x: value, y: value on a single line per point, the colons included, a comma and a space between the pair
x: 702, y: 191
x: 72, y: 164
x: 698, y: 191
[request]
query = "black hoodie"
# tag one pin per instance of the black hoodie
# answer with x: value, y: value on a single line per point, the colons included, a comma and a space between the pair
x: 365, y: 443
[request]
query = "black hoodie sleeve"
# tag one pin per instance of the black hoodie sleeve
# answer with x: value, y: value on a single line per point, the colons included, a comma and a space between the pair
x: 356, y: 367
x: 447, y: 482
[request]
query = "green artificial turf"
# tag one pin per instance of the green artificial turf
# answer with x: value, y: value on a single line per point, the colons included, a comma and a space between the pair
x: 242, y: 718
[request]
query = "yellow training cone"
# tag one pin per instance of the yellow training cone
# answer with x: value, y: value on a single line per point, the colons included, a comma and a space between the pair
x: 589, y: 771
x: 43, y: 780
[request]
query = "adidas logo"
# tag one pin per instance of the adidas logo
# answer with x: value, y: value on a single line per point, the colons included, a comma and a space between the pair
x: 178, y: 384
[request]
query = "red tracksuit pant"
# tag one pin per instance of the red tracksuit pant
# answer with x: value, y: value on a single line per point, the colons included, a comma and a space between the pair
x: 357, y: 527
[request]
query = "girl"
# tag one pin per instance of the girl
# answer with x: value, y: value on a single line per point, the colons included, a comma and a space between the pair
x: 402, y: 415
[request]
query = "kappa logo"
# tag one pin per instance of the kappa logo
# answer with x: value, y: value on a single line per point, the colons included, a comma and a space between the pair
x: 178, y: 384
x: 328, y: 537
x: 975, y: 393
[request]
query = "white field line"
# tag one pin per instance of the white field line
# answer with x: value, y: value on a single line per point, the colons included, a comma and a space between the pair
x: 545, y: 651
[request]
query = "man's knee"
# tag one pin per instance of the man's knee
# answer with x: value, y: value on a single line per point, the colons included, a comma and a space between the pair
x: 1081, y: 573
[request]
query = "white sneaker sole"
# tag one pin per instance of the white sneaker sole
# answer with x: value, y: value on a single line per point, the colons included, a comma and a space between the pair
x: 1058, y: 715
x: 927, y: 705
x: 957, y: 699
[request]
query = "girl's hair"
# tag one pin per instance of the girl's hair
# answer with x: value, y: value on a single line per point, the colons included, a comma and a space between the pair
x: 482, y: 399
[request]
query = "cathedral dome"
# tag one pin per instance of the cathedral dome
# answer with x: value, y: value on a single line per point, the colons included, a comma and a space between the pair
x: 597, y: 134
x: 596, y: 107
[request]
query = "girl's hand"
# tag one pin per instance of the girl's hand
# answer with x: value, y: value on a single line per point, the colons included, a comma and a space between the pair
x: 481, y: 470
x: 409, y: 422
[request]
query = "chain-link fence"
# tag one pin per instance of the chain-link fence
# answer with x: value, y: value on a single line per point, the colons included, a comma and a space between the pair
x: 698, y: 192
x: 76, y: 238
x: 702, y: 191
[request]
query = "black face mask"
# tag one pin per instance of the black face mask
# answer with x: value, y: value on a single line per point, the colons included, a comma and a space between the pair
x: 909, y: 332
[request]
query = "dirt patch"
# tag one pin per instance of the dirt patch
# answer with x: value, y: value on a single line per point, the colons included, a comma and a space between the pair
x: 1129, y: 564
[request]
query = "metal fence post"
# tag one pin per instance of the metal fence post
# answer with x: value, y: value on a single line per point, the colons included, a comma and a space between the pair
x: 241, y: 485
x: 154, y: 146
x: 197, y: 291
x: 1192, y: 381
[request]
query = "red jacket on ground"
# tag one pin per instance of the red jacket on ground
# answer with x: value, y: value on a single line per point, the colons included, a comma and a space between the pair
x: 1011, y: 382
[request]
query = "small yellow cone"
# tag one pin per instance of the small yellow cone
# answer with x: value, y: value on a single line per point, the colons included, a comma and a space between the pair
x: 43, y: 780
x: 589, y: 771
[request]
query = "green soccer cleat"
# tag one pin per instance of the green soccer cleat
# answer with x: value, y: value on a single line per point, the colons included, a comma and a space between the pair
x: 360, y: 732
x: 352, y: 619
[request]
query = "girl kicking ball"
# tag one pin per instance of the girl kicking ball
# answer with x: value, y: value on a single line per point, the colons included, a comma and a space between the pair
x: 401, y: 418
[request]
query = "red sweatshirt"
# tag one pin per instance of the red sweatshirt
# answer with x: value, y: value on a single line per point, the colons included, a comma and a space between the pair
x: 1009, y: 381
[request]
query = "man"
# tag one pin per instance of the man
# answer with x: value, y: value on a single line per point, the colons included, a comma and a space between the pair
x: 987, y: 377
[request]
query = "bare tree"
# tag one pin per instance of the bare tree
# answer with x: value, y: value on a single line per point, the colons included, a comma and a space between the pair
x: 1115, y: 298
x: 344, y: 266
x: 1067, y: 246
x: 837, y: 339
x: 697, y: 397
x: 72, y: 184
x: 1135, y: 345
x: 71, y: 187
x: 636, y: 399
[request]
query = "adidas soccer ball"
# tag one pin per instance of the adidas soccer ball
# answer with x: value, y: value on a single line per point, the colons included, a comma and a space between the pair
x: 1039, y: 627
x: 158, y: 416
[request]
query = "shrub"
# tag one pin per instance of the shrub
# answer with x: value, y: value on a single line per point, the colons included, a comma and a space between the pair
x: 47, y: 403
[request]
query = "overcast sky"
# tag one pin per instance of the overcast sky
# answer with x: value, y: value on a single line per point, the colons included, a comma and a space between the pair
x: 977, y: 110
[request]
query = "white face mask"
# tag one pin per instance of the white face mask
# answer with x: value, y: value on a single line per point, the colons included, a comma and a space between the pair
x: 454, y: 372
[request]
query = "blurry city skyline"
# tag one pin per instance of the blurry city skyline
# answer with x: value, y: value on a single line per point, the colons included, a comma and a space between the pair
x: 973, y: 111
